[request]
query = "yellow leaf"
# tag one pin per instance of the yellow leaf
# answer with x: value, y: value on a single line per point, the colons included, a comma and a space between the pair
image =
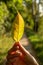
x: 18, y: 27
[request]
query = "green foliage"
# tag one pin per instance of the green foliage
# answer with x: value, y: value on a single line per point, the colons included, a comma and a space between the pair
x: 40, y: 30
x: 8, y: 11
x: 3, y: 16
x: 3, y: 12
x: 5, y: 44
x: 20, y: 1
x: 29, y: 18
x: 30, y: 22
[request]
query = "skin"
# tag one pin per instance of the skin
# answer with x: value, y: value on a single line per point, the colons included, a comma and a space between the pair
x: 22, y: 54
x: 29, y: 58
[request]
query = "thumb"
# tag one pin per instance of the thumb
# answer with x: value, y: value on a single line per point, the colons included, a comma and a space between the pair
x: 28, y: 56
x: 22, y: 49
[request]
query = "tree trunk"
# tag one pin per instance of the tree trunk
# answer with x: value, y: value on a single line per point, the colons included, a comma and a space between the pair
x: 35, y: 13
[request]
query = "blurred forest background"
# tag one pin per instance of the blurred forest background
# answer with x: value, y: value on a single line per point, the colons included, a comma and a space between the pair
x: 32, y: 12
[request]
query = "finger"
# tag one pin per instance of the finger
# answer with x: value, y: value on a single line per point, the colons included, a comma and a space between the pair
x: 22, y: 49
x: 14, y: 48
x: 17, y: 54
x: 16, y: 44
x: 28, y: 56
x: 8, y: 63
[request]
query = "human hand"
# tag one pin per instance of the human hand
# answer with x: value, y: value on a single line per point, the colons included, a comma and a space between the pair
x: 30, y: 60
x: 19, y: 51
